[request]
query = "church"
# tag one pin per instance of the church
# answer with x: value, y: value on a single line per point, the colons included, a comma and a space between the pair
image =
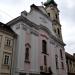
x: 39, y: 46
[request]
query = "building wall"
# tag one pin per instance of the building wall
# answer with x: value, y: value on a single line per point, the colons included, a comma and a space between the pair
x: 5, y: 69
x: 70, y: 61
x: 34, y: 38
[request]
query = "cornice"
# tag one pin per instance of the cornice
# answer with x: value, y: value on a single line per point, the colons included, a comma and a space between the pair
x: 37, y: 27
x: 32, y: 31
x: 8, y: 33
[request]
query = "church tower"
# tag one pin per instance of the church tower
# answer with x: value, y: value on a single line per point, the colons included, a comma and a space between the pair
x: 53, y: 12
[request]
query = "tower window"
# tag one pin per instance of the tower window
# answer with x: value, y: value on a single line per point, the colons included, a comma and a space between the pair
x: 56, y: 16
x: 48, y: 14
x: 44, y: 46
x: 55, y: 30
x: 58, y: 31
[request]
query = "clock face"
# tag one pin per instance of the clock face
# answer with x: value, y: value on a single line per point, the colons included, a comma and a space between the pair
x: 43, y: 20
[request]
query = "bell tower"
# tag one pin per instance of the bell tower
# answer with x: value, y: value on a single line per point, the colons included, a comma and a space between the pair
x: 53, y: 12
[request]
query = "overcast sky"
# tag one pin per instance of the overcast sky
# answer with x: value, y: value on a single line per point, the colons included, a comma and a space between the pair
x: 9, y: 9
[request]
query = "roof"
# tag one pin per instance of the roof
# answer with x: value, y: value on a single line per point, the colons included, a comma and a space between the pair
x: 21, y: 19
x: 69, y: 56
x: 50, y: 2
x: 6, y: 29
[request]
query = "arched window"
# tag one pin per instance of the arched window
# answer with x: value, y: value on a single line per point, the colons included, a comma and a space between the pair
x: 44, y: 46
x: 27, y: 52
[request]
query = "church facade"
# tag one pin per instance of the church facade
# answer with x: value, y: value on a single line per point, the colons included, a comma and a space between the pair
x: 39, y: 46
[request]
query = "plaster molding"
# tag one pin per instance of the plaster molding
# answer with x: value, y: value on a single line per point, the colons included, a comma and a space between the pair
x: 43, y: 20
x: 32, y: 31
x: 17, y: 26
x: 24, y: 27
x: 52, y: 42
x: 44, y: 36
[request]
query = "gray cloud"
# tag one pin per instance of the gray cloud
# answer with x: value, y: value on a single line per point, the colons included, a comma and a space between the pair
x: 13, y: 8
x: 67, y: 17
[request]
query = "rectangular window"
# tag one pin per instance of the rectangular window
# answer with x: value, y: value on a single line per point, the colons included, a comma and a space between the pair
x: 45, y: 60
x: 8, y: 42
x: 41, y: 68
x: 0, y: 40
x: 62, y: 65
x: 6, y: 59
x: 44, y: 46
